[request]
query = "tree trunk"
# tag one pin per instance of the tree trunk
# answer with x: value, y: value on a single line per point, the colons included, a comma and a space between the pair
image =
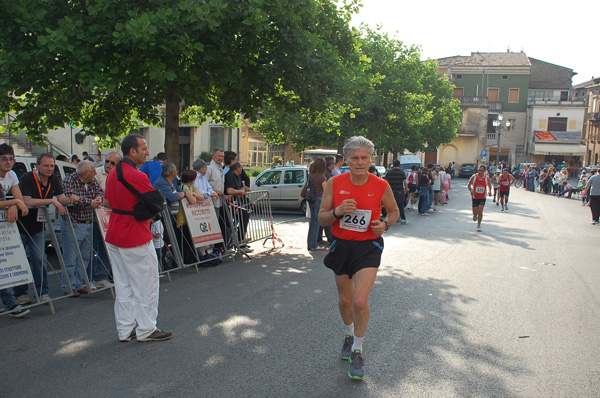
x: 172, y: 124
x: 340, y: 145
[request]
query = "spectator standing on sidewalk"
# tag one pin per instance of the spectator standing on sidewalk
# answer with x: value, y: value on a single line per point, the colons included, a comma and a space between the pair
x: 42, y: 188
x: 592, y: 190
x: 129, y: 242
x: 397, y: 180
x: 86, y: 194
x: 153, y: 168
x: 9, y: 183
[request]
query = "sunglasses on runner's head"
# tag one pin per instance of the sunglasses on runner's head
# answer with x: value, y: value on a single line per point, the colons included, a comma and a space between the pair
x: 7, y: 158
x: 111, y: 162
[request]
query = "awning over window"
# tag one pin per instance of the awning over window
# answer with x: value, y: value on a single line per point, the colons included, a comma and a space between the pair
x: 558, y: 149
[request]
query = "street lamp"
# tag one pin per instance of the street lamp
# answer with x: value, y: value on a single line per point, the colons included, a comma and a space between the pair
x: 497, y: 123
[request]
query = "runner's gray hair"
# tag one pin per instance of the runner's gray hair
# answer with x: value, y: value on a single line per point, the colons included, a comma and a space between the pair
x: 356, y: 142
x: 84, y: 166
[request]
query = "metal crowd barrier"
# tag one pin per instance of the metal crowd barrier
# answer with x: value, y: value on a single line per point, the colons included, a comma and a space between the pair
x: 181, y: 249
x: 64, y: 289
x: 241, y: 221
x: 250, y: 219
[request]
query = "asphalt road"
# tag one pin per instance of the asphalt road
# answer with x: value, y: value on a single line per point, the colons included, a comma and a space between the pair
x: 513, y: 311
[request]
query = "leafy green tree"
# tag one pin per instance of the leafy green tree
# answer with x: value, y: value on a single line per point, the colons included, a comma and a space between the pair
x: 107, y: 65
x: 393, y: 98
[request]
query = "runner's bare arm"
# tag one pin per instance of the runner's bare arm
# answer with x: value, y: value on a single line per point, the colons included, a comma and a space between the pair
x: 470, y: 184
x: 389, y: 202
x: 326, y: 216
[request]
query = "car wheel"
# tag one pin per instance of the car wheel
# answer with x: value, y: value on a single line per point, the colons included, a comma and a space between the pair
x: 303, y: 206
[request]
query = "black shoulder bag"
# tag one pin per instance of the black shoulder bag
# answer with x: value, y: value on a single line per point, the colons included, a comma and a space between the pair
x: 151, y: 202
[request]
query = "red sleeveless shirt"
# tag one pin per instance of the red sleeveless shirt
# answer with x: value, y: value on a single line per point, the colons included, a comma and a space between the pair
x: 357, y: 226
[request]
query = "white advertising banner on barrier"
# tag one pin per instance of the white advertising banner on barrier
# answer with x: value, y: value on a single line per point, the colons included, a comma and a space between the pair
x: 202, y: 222
x: 103, y: 217
x: 14, y: 267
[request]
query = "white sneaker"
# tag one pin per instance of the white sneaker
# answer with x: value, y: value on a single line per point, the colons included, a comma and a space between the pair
x: 24, y: 300
x: 102, y: 284
x: 44, y: 298
x: 93, y: 286
x: 479, y: 228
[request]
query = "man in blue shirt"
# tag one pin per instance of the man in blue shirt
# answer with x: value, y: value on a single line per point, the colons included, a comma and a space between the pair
x: 164, y: 184
x: 154, y: 167
x: 202, y: 183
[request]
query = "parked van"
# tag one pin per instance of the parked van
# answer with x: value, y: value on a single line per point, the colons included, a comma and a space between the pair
x: 407, y: 161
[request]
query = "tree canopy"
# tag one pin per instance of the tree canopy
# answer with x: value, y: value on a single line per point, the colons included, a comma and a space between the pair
x: 108, y: 65
x: 393, y: 98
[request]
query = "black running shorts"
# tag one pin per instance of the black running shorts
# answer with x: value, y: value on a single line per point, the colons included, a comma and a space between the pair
x: 478, y: 202
x: 504, y: 193
x: 347, y: 257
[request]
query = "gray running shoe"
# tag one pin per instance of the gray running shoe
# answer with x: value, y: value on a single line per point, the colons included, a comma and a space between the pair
x: 479, y: 228
x: 506, y: 207
x: 347, y: 347
x: 18, y: 311
x: 474, y: 217
x: 357, y: 369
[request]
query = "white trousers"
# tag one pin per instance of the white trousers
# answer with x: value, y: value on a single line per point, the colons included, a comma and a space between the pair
x: 135, y: 273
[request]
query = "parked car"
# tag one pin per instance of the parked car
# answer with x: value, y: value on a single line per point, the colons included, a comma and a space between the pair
x: 284, y: 185
x: 466, y: 170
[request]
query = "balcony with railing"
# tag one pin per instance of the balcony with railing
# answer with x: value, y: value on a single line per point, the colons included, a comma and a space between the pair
x: 553, y: 102
x: 474, y: 101
x: 468, y: 131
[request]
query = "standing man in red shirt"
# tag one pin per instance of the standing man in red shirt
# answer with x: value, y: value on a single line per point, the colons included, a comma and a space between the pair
x: 129, y: 243
x: 478, y: 184
x: 351, y: 204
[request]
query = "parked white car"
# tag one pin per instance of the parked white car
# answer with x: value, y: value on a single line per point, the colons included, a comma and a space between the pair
x: 284, y: 185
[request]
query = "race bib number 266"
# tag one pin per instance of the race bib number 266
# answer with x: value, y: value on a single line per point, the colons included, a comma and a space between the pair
x: 357, y: 221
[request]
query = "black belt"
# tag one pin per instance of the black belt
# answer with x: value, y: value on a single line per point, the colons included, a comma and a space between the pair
x: 126, y: 212
x: 82, y: 222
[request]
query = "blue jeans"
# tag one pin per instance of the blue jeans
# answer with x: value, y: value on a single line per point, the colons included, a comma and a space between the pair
x: 423, y: 200
x: 101, y: 264
x: 401, y: 202
x: 83, y: 241
x: 8, y: 298
x: 313, y: 226
x: 36, y: 252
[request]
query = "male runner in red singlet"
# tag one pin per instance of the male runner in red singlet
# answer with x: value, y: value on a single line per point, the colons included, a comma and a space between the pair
x: 352, y: 205
x: 478, y: 183
x: 506, y: 181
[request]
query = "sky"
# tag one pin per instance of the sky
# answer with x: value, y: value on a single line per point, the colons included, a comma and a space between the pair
x: 561, y: 33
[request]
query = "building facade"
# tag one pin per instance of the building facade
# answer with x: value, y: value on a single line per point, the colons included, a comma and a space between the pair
x: 555, y: 119
x: 507, y: 98
x: 589, y: 93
